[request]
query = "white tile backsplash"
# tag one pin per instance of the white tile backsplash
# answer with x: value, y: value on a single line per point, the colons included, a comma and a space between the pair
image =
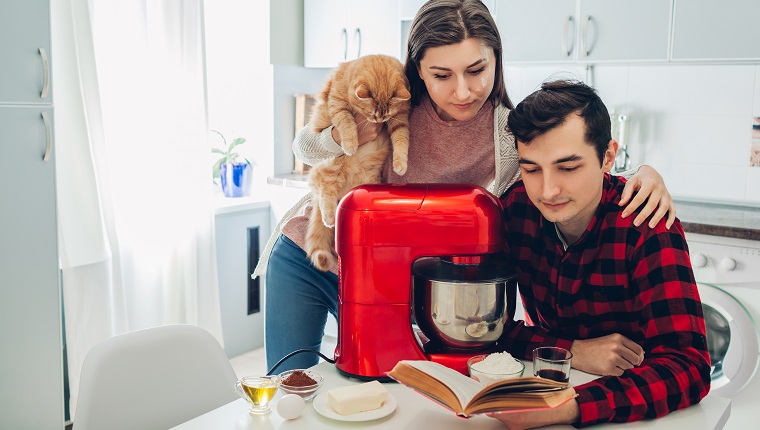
x: 692, y: 89
x: 753, y: 185
x: 756, y: 105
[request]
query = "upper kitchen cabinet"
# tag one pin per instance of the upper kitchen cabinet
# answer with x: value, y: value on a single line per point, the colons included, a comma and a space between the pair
x: 584, y: 30
x: 712, y: 30
x: 25, y: 51
x: 341, y: 30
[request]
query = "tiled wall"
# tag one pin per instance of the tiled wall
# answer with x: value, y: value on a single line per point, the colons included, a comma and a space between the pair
x: 691, y: 122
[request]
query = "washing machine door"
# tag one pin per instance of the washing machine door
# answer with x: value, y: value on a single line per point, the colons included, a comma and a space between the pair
x: 732, y: 340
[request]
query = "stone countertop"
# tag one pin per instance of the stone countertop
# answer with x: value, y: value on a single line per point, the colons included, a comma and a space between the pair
x: 719, y: 220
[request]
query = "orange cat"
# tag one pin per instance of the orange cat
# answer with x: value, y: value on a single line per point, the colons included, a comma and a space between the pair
x: 376, y: 87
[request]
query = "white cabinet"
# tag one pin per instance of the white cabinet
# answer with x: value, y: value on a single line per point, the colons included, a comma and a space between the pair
x: 712, y: 30
x: 25, y: 52
x: 341, y: 30
x: 31, y: 393
x: 584, y: 30
x: 241, y: 232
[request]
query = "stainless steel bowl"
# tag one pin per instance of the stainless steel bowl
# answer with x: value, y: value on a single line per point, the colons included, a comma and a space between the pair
x: 463, y: 303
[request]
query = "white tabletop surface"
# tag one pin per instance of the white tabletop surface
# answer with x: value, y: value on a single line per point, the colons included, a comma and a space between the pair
x: 417, y: 412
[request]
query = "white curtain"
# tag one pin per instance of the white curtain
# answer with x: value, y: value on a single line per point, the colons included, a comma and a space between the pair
x: 134, y: 188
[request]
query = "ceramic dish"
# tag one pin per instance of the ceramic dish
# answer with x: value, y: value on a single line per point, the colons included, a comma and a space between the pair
x: 324, y: 409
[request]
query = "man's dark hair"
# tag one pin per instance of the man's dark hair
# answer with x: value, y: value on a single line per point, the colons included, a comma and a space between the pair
x: 548, y: 108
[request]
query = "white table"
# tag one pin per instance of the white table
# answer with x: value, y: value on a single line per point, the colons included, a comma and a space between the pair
x: 417, y: 412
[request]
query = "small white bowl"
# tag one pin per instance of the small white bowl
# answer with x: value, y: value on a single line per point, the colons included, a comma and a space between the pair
x: 308, y: 391
x: 490, y: 378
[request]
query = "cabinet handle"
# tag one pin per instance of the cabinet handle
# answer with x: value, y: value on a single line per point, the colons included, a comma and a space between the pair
x: 45, y: 73
x: 584, y: 39
x: 344, y: 36
x: 565, y: 48
x: 48, y: 137
x: 358, y: 35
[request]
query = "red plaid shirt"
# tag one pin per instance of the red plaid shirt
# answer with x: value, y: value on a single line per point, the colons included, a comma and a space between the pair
x: 617, y: 278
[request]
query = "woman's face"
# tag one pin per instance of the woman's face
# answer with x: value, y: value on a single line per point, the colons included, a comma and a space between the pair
x: 459, y: 78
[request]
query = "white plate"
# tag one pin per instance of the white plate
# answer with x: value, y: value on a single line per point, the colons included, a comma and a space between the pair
x: 322, y: 408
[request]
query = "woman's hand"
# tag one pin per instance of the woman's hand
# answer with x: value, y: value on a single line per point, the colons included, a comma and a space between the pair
x: 651, y: 188
x: 367, y: 131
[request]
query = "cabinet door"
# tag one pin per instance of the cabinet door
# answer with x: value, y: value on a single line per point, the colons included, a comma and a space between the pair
x: 25, y: 51
x: 624, y: 30
x: 537, y: 31
x: 326, y: 32
x: 375, y: 28
x: 708, y: 30
x: 30, y: 308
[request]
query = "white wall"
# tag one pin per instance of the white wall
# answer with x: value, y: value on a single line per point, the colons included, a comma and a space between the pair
x: 691, y: 122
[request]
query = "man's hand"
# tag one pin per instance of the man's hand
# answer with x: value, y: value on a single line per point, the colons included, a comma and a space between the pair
x: 569, y: 413
x: 650, y: 188
x: 606, y: 355
x: 367, y: 130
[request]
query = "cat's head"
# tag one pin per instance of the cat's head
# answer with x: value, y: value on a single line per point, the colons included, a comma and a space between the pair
x: 380, y: 88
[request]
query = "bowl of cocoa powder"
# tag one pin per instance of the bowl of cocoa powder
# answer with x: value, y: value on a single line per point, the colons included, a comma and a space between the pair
x: 303, y: 382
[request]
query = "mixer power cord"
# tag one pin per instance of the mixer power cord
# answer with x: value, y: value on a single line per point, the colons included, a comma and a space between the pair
x: 299, y: 351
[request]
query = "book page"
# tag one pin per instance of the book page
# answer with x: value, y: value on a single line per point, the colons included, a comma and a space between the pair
x: 464, y: 388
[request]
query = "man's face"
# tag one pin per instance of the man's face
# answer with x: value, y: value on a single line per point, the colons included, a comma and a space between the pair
x: 562, y: 174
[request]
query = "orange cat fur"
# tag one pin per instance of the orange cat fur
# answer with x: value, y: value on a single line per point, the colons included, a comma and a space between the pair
x: 376, y: 87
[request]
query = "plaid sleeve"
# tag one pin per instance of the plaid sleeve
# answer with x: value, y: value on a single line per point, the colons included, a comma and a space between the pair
x: 676, y: 369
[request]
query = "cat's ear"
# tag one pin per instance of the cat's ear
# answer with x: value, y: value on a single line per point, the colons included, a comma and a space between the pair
x: 362, y: 91
x: 402, y: 95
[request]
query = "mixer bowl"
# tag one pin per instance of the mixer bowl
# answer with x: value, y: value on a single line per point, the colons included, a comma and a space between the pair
x: 462, y: 306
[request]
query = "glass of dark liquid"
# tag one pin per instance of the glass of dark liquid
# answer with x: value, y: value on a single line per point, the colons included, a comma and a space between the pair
x: 553, y: 363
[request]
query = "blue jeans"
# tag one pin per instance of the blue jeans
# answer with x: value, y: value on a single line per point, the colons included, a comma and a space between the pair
x: 298, y: 298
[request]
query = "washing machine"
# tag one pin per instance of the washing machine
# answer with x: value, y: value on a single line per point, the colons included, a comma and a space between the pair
x: 727, y: 271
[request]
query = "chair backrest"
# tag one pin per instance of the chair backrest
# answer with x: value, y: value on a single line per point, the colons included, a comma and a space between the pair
x: 155, y: 378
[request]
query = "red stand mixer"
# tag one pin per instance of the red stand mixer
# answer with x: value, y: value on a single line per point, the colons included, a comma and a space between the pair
x: 424, y: 254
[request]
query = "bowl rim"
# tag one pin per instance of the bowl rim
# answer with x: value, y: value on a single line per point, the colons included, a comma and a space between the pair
x: 482, y: 357
x: 312, y: 374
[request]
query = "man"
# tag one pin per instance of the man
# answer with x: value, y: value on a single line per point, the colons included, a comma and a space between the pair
x: 621, y: 298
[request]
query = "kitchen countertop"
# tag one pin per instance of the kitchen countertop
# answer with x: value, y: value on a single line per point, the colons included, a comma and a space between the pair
x: 416, y: 412
x: 719, y: 220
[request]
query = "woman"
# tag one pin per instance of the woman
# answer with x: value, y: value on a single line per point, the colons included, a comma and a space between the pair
x: 458, y: 134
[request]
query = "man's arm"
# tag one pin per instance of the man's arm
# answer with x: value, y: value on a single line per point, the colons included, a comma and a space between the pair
x: 676, y: 371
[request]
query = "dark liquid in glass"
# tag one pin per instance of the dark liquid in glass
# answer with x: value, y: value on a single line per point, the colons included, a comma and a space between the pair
x: 553, y: 374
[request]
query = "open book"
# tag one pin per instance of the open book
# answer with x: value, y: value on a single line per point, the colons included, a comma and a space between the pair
x: 466, y: 396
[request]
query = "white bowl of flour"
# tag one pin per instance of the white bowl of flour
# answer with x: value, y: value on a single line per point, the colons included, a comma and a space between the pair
x: 495, y: 367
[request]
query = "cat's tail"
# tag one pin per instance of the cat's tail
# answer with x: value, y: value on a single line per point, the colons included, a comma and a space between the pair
x: 319, y: 241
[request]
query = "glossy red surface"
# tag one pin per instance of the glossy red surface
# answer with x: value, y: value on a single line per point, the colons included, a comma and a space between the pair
x: 380, y: 231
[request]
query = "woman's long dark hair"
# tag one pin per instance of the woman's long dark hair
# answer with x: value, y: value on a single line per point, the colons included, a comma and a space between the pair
x: 448, y: 22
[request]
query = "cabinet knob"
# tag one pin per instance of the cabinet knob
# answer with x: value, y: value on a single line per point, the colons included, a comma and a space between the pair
x: 699, y: 260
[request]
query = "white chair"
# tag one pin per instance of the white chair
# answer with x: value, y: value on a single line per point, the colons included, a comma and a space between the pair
x: 155, y: 378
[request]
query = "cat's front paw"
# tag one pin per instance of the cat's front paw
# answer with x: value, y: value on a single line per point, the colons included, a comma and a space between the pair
x: 328, y: 220
x: 350, y: 146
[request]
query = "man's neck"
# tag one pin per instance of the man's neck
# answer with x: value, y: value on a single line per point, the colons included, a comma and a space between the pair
x: 572, y: 230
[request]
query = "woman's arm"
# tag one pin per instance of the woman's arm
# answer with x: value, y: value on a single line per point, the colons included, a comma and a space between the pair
x: 650, y: 188
x: 312, y: 147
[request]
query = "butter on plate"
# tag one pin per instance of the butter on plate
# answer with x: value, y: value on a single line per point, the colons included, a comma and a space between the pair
x: 357, y: 398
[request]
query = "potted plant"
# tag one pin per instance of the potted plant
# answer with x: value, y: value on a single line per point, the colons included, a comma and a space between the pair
x: 233, y: 171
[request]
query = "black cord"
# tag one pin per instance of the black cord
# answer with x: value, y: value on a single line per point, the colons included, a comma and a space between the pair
x: 329, y: 360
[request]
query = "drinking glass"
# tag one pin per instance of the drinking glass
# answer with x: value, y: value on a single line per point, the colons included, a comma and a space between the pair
x: 552, y: 362
x: 258, y: 391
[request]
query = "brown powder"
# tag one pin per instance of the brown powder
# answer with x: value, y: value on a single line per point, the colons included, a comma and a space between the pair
x: 298, y: 379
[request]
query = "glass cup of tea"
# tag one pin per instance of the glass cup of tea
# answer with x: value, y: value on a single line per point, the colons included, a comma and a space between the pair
x: 258, y: 391
x: 553, y: 363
